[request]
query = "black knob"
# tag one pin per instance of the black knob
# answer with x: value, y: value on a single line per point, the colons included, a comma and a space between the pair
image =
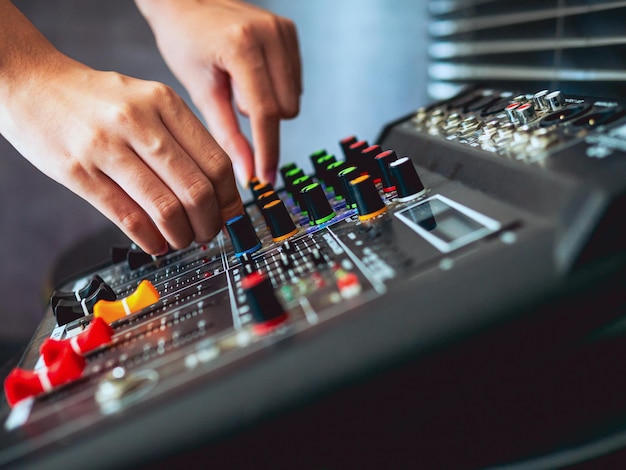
x: 332, y: 176
x: 296, y: 191
x: 66, y: 311
x: 318, y: 207
x: 266, y: 198
x: 368, y: 155
x: 368, y: 201
x: 383, y: 160
x: 78, y: 295
x: 291, y: 176
x: 345, y: 190
x: 252, y: 183
x: 287, y: 168
x: 314, y: 157
x: 261, y: 188
x: 138, y: 258
x: 356, y: 159
x: 242, y: 235
x: 267, y: 312
x: 408, y: 183
x: 119, y: 253
x: 320, y: 166
x: 345, y: 144
x: 279, y: 221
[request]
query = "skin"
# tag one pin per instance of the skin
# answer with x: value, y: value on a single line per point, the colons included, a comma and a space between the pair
x: 133, y: 148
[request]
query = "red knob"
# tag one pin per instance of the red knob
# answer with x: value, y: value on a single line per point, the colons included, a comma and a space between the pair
x: 21, y: 384
x: 97, y: 334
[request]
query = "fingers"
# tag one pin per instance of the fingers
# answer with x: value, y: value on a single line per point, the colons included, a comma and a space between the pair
x: 266, y: 73
x: 207, y: 156
x: 220, y: 116
x: 176, y: 174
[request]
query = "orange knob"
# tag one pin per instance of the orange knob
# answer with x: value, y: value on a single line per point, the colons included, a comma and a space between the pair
x: 110, y: 311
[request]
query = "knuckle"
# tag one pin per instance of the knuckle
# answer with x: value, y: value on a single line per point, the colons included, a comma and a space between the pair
x: 133, y: 222
x: 199, y: 192
x: 221, y: 166
x: 167, y: 208
x: 161, y: 92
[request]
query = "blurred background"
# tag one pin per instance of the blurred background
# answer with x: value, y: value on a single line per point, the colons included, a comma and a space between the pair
x: 364, y: 64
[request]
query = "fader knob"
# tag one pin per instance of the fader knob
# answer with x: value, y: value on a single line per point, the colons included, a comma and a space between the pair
x: 368, y: 201
x: 318, y: 207
x: 78, y: 295
x: 279, y: 221
x: 242, y: 235
x: 66, y: 311
x: 267, y: 312
x: 408, y: 183
x: 138, y: 258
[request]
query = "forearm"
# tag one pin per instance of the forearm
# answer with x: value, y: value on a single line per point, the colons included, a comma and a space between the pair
x: 24, y: 52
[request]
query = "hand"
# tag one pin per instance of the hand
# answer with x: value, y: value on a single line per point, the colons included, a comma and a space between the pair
x: 222, y: 50
x: 132, y: 148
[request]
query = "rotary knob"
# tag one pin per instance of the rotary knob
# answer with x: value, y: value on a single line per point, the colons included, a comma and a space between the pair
x: 408, y: 183
x: 368, y: 156
x: 383, y: 160
x: 242, y: 235
x: 297, y: 191
x: 345, y: 176
x: 345, y: 144
x: 279, y: 221
x: 267, y: 311
x: 318, y: 207
x: 266, y: 198
x: 368, y: 202
x: 332, y: 176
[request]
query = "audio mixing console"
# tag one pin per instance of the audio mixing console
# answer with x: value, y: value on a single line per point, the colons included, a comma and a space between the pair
x: 473, y: 221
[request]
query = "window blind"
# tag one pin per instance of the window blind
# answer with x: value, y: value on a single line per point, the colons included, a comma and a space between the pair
x: 576, y: 46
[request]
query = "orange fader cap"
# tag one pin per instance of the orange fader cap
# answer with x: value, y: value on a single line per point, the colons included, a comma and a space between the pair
x: 112, y: 310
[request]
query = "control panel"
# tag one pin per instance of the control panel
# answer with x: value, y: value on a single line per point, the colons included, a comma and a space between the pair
x: 463, y: 218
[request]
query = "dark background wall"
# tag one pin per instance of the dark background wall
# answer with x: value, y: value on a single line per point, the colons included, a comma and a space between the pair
x: 364, y: 65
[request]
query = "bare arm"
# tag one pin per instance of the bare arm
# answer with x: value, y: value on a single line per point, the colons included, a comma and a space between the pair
x: 222, y: 50
x: 132, y: 148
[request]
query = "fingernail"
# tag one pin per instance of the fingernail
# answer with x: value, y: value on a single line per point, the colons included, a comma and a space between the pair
x: 240, y: 174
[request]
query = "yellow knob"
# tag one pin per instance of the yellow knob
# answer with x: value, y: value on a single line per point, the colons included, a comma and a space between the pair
x: 110, y: 311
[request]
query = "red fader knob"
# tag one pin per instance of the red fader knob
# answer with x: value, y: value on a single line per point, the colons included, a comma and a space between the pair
x: 97, y: 334
x: 21, y: 384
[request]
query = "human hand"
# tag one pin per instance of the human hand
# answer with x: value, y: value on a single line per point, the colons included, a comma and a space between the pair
x: 132, y: 148
x: 222, y: 50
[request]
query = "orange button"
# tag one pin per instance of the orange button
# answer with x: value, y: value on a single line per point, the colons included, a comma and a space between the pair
x: 110, y: 311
